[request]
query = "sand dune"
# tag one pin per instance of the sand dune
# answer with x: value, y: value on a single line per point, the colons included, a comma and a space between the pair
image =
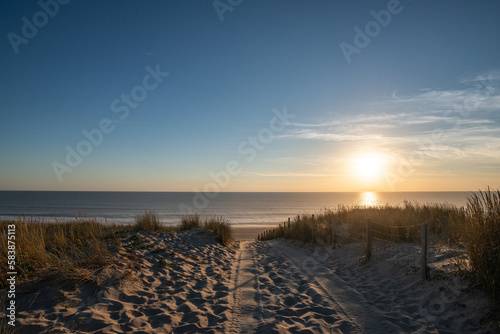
x: 187, y: 283
x: 190, y: 292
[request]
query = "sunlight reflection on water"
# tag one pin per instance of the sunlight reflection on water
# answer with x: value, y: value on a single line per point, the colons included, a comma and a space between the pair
x: 369, y: 199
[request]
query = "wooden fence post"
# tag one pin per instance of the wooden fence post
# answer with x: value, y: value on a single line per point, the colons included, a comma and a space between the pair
x: 368, y: 240
x: 423, y: 229
x: 312, y: 229
x: 333, y: 232
x: 288, y: 224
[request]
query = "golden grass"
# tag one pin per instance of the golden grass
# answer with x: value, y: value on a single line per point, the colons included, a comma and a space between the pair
x: 398, y: 223
x: 79, y: 249
x: 61, y: 248
x: 217, y: 224
x: 190, y: 221
x: 148, y: 221
x: 221, y: 228
x: 482, y: 237
x: 477, y: 227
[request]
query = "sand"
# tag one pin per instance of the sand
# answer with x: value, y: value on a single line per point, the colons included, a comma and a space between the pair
x: 245, y: 233
x: 254, y: 287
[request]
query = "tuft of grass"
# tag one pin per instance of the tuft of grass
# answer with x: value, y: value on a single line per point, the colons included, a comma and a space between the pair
x: 221, y: 228
x: 190, y: 221
x: 148, y: 221
x: 217, y: 224
x: 483, y: 240
x: 163, y: 263
x: 66, y: 249
x: 137, y: 242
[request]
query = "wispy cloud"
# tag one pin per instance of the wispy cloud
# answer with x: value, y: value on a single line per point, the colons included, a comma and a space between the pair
x: 460, y: 119
x: 482, y: 79
x: 327, y: 136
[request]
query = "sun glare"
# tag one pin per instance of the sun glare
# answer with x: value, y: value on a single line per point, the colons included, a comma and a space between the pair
x: 369, y: 167
x: 369, y: 199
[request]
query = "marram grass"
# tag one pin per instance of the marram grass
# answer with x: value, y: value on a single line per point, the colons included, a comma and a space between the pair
x: 482, y: 237
x: 476, y: 226
x: 79, y: 249
x: 217, y: 224
x: 63, y: 248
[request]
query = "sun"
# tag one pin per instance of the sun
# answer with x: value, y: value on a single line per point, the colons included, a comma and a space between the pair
x: 369, y: 167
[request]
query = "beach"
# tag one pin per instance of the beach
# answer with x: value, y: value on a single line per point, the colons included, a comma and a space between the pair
x: 233, y: 166
x: 186, y: 282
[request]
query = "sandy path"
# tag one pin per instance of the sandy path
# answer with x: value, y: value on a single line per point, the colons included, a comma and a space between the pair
x: 272, y: 293
x: 282, y: 287
x: 247, y: 311
x: 356, y: 310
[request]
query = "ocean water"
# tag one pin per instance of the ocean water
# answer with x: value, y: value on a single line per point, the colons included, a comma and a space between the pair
x: 240, y: 208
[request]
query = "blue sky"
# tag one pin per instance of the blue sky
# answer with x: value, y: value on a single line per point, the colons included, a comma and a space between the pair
x: 416, y: 108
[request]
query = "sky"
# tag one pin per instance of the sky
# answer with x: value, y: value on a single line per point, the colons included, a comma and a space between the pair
x: 240, y: 95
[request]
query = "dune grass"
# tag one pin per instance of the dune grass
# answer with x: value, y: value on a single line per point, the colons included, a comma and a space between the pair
x: 190, y: 221
x: 217, y: 224
x: 78, y: 249
x: 482, y: 237
x: 65, y: 249
x: 147, y: 222
x: 398, y: 223
x: 221, y: 228
x: 477, y: 227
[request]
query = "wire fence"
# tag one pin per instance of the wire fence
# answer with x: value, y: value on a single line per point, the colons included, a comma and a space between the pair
x: 401, y: 245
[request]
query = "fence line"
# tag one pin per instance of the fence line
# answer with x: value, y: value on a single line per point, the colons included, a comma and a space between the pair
x: 396, y: 226
x: 372, y: 235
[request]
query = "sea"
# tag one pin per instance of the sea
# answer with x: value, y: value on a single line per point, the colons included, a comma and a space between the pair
x: 240, y: 208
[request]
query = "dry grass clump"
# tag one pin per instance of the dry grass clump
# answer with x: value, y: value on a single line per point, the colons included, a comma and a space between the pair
x: 221, y: 228
x: 219, y: 225
x: 397, y: 223
x: 482, y: 237
x: 79, y: 249
x: 148, y: 221
x: 69, y: 249
x: 444, y: 222
x: 190, y: 221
